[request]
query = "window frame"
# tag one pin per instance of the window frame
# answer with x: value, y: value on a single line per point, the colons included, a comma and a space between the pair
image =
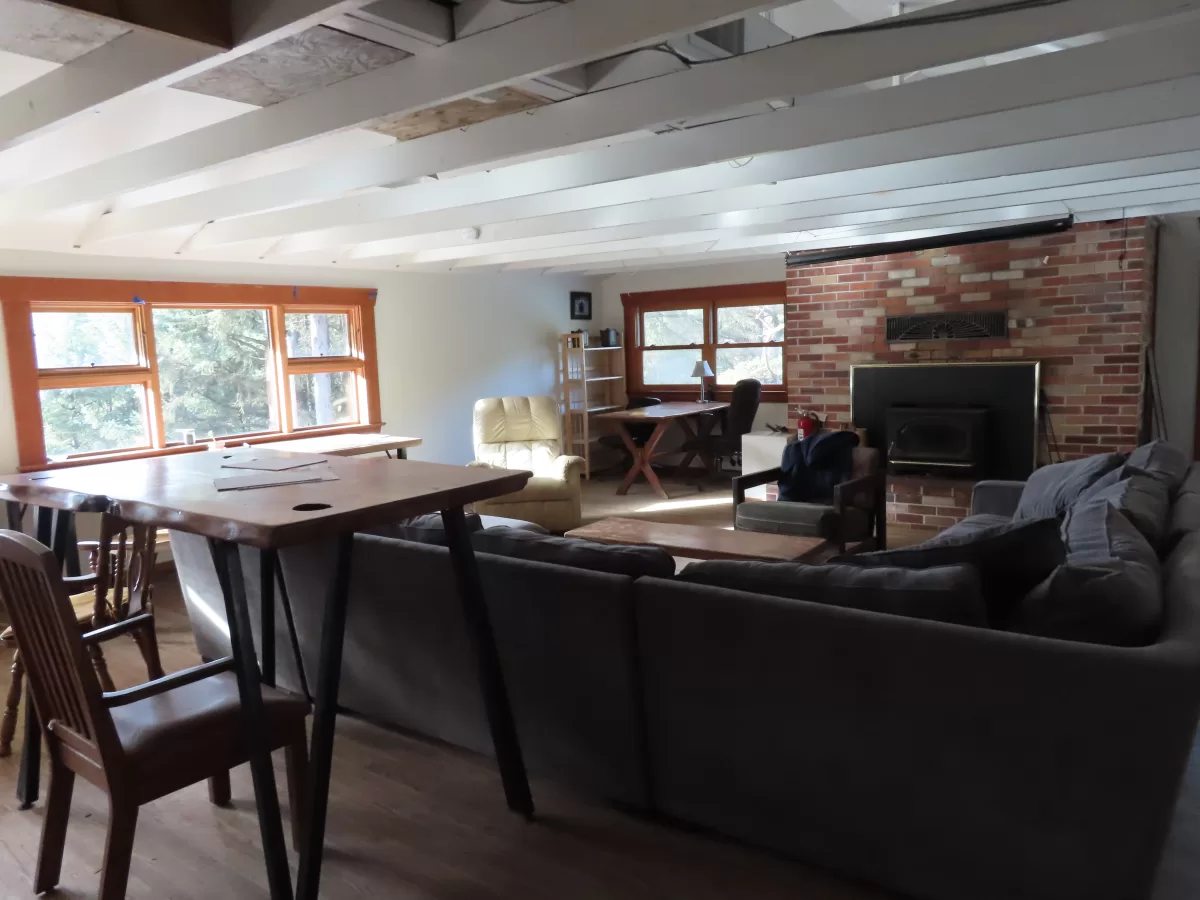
x: 710, y: 299
x: 21, y: 297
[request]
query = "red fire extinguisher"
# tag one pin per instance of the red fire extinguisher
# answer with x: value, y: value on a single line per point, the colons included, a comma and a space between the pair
x: 807, y: 424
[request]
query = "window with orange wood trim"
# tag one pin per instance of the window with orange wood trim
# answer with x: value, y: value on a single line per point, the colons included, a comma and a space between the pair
x: 103, y: 368
x: 737, y: 329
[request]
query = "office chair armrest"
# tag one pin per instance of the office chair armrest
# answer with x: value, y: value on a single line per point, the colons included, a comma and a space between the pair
x: 108, y: 632
x: 753, y: 479
x: 167, y: 683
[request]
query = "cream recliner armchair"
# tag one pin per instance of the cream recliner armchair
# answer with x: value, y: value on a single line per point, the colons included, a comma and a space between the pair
x: 523, y: 433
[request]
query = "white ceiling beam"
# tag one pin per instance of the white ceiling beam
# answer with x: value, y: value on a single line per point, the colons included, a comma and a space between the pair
x: 837, y: 134
x: 136, y: 61
x: 818, y: 64
x: 413, y: 26
x: 568, y: 34
x: 257, y: 22
x: 857, y: 210
x: 902, y: 184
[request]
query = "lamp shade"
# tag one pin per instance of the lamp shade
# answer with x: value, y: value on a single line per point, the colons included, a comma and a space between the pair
x: 702, y: 370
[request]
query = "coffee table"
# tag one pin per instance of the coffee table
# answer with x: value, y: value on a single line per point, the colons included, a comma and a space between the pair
x: 706, y: 542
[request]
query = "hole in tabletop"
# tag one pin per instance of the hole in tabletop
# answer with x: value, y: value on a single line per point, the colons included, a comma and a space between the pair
x: 310, y: 507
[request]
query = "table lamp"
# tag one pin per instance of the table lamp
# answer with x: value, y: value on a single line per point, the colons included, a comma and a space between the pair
x: 702, y: 370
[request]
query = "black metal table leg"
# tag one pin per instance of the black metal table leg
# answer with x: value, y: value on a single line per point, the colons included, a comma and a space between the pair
x: 491, y: 677
x: 266, y: 596
x: 329, y: 673
x: 229, y: 573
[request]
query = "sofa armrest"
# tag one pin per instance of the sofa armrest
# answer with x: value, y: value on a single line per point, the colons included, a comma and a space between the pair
x: 742, y: 483
x: 999, y: 498
x: 567, y: 468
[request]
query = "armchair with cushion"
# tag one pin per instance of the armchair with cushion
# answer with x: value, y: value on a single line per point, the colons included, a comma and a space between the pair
x: 523, y: 433
x: 856, y: 513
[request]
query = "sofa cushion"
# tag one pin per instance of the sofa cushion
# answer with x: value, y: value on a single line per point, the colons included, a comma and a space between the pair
x: 613, y: 558
x: 971, y: 525
x: 1191, y: 484
x: 943, y: 593
x: 1185, y: 518
x: 1108, y: 592
x: 427, y: 529
x: 1051, y: 489
x: 1143, y: 500
x: 1163, y: 461
x: 1011, y: 557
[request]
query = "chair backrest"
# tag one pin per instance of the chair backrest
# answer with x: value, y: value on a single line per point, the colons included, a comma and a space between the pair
x: 743, y: 407
x: 642, y: 402
x: 517, y: 432
x: 124, y: 565
x: 64, y: 683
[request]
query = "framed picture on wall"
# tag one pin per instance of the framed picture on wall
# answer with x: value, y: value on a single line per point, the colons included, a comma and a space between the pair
x: 581, y: 304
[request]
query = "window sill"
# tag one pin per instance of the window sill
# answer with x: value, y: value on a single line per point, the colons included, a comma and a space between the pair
x: 201, y: 447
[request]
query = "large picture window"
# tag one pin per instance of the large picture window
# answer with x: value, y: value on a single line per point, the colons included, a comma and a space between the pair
x: 105, y: 368
x: 737, y: 330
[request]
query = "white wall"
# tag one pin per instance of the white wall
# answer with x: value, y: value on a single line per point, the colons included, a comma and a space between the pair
x: 613, y: 286
x: 443, y: 340
x: 1177, y: 324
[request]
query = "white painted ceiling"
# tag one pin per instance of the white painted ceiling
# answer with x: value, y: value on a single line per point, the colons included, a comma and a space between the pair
x: 658, y: 146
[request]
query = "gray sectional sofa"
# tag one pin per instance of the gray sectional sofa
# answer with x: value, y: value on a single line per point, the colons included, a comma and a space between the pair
x: 931, y: 748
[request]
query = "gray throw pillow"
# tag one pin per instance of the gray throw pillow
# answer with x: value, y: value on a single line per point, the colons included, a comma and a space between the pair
x: 1050, y: 490
x: 942, y: 594
x: 1108, y: 592
x: 1011, y: 558
x: 616, y: 559
x: 427, y: 529
x: 1166, y: 462
x: 1142, y: 499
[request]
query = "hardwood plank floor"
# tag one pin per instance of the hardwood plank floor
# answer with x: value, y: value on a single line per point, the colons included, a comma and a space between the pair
x: 416, y: 821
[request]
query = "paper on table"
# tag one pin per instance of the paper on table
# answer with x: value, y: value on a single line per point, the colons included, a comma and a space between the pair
x: 272, y: 479
x: 265, y: 461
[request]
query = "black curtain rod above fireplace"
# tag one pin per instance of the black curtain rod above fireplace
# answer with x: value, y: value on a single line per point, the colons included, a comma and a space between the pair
x: 1003, y: 233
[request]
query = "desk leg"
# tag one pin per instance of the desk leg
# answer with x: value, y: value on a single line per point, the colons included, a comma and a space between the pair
x: 642, y: 459
x: 487, y: 659
x: 237, y: 612
x: 329, y: 674
x: 267, y: 561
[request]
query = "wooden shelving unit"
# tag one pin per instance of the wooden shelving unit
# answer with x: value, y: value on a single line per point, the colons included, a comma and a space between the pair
x: 592, y: 381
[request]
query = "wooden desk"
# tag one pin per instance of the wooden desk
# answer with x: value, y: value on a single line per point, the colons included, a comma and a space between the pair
x: 662, y: 415
x: 705, y: 542
x: 177, y: 492
x: 349, y: 445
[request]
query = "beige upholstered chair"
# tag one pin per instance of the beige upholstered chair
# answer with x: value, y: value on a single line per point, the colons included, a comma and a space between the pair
x: 523, y: 433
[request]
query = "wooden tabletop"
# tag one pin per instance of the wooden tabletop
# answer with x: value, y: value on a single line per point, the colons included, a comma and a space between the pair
x: 177, y: 492
x: 658, y: 412
x: 703, y: 542
x: 346, y: 444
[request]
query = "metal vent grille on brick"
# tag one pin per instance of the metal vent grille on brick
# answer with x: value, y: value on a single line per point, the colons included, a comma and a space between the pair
x: 947, y: 326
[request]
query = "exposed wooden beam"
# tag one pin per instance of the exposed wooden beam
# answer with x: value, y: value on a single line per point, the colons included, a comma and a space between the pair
x: 567, y: 35
x: 814, y: 65
x: 1036, y: 99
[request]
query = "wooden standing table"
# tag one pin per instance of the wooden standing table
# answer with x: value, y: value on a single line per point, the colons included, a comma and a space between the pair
x: 177, y: 492
x: 662, y: 415
x: 349, y: 444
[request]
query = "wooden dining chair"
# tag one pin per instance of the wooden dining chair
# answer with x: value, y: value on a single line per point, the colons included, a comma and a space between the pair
x: 137, y: 744
x: 117, y: 587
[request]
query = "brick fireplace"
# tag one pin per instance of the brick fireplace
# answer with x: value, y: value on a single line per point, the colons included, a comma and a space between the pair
x: 1080, y: 302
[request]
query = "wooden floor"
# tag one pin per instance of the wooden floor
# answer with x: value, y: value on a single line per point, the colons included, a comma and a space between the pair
x: 415, y: 821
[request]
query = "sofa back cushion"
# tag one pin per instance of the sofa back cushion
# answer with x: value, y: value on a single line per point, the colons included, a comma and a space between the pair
x: 1166, y: 462
x: 1011, y: 559
x: 1108, y: 592
x: 615, y: 559
x: 1050, y: 490
x: 943, y: 593
x: 427, y: 529
x: 1185, y: 518
x: 1143, y: 499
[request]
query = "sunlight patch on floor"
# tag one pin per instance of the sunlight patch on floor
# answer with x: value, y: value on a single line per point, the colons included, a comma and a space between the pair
x: 692, y: 503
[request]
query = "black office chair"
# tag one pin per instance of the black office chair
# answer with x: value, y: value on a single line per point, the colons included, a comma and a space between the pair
x: 639, y: 433
x: 739, y: 419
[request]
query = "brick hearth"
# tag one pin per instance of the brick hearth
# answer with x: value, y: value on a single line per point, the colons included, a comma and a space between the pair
x: 1081, y: 302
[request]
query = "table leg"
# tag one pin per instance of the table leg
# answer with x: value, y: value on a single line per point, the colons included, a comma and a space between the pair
x: 329, y: 673
x: 642, y: 459
x: 267, y: 561
x: 487, y: 659
x: 689, y: 433
x: 237, y: 612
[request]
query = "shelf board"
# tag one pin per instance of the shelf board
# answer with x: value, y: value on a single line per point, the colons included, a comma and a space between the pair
x: 606, y: 378
x: 593, y: 349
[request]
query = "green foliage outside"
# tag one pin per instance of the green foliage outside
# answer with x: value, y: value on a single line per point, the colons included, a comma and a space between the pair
x: 735, y: 325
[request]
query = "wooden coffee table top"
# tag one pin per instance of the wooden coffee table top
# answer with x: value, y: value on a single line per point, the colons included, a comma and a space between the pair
x: 704, y: 542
